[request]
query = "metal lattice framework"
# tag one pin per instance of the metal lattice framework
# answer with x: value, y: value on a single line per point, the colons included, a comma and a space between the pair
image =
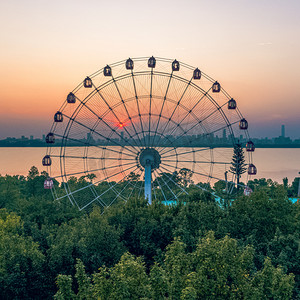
x: 141, y: 126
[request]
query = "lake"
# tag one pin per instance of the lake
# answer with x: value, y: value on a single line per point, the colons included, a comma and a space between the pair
x: 274, y: 163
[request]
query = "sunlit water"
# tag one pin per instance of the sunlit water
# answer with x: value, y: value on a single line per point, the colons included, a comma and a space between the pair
x: 275, y: 163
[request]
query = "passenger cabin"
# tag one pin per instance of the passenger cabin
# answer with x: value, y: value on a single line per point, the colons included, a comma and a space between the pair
x: 231, y: 104
x: 175, y: 65
x: 243, y: 124
x: 252, y: 170
x: 87, y: 83
x: 58, y: 117
x: 216, y: 88
x: 250, y: 146
x: 151, y: 62
x: 48, y: 184
x: 129, y: 64
x: 71, y: 98
x: 46, y: 161
x: 197, y: 74
x: 50, y: 138
x: 107, y: 71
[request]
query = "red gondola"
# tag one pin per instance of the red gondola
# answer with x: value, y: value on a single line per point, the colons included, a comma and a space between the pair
x: 48, y: 184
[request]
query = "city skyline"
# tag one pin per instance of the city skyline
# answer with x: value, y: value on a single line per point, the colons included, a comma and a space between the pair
x: 218, y: 135
x: 280, y: 131
x: 249, y: 47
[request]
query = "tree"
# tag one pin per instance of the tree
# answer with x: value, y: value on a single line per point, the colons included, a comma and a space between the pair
x: 217, y: 269
x: 89, y: 238
x: 184, y: 177
x: 21, y: 262
x: 238, y: 165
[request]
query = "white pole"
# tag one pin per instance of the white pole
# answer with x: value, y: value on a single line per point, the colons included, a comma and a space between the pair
x: 148, y: 182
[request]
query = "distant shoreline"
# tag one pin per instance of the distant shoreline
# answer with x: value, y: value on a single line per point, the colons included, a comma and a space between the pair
x: 190, y: 146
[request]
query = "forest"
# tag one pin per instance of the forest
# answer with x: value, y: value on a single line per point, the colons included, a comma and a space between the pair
x: 247, y: 247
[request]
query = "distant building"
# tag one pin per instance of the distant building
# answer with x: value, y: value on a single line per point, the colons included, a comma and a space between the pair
x: 224, y: 134
x: 283, y: 130
x: 31, y: 137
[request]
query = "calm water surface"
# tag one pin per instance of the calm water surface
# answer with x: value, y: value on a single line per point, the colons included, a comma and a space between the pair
x: 275, y: 163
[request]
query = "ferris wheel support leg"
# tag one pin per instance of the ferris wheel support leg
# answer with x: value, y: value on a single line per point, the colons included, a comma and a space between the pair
x: 148, y: 183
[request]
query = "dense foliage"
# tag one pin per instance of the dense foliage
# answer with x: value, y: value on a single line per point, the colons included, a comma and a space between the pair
x: 198, y: 248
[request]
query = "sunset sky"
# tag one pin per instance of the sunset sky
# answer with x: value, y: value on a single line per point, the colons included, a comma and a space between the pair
x: 251, y: 47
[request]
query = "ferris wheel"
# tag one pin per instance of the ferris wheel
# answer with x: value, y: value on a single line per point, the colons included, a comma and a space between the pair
x: 151, y: 127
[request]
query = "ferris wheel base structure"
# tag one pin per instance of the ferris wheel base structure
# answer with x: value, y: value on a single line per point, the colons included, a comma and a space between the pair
x: 150, y: 160
x: 134, y: 128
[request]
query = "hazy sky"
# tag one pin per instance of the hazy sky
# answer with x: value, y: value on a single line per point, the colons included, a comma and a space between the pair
x: 251, y: 47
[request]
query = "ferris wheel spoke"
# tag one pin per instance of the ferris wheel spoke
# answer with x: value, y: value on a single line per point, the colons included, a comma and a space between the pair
x: 162, y: 107
x: 160, y: 187
x: 115, y: 184
x: 92, y: 158
x: 110, y: 188
x: 124, y: 105
x: 105, y: 137
x: 99, y: 169
x: 180, y: 187
x: 176, y: 106
x: 138, y: 106
x: 99, y: 118
x: 154, y: 190
x: 223, y: 127
x: 150, y: 102
x: 113, y: 112
x: 119, y: 194
x: 87, y: 144
x: 136, y: 184
x: 207, y: 134
x: 199, y: 162
x: 167, y: 185
x: 189, y: 112
x: 199, y: 122
x: 182, y: 153
x: 140, y: 189
x: 164, y: 164
x: 102, y: 180
x: 209, y: 176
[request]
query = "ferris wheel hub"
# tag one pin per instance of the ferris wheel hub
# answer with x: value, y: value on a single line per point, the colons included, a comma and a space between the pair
x: 149, y: 157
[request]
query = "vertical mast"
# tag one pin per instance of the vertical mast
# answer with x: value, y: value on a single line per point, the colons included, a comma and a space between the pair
x: 148, y: 182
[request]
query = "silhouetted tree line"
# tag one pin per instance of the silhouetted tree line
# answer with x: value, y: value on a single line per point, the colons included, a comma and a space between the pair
x: 197, y: 248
